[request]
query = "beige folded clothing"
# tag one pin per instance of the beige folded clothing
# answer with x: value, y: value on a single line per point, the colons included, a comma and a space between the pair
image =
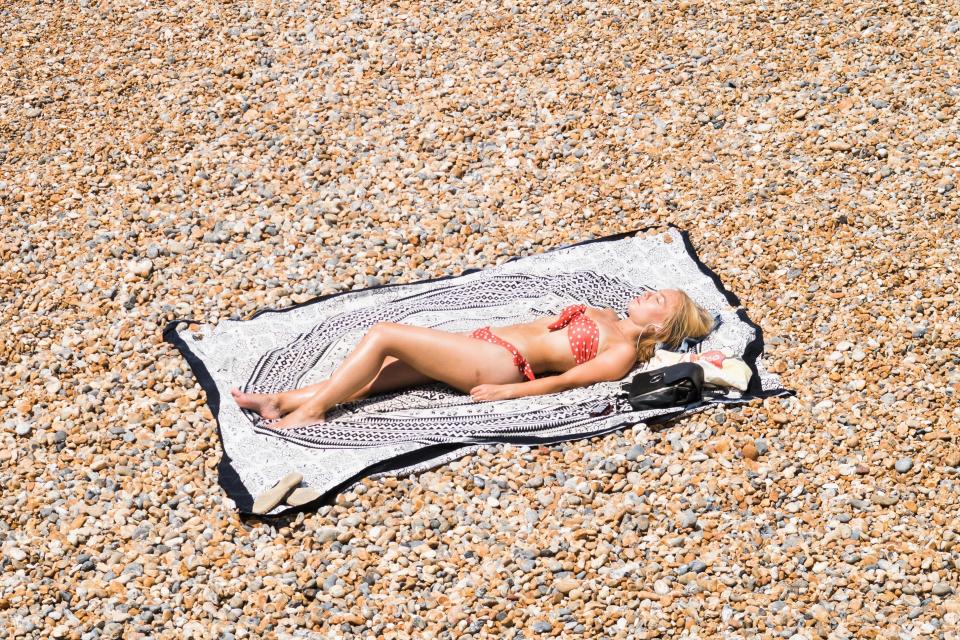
x: 734, y: 372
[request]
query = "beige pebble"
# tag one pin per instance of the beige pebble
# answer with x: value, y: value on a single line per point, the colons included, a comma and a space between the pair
x: 566, y: 585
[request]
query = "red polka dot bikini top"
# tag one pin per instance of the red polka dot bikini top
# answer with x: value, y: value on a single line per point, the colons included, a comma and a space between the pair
x: 583, y: 333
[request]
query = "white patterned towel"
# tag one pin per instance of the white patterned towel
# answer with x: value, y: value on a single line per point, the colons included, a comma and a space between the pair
x: 422, y: 427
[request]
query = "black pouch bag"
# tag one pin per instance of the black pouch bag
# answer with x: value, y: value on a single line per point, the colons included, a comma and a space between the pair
x: 677, y: 385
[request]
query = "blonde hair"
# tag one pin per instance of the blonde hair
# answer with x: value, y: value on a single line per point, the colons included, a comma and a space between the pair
x: 690, y: 321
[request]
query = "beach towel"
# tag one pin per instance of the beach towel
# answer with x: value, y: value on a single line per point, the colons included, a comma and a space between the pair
x: 420, y: 428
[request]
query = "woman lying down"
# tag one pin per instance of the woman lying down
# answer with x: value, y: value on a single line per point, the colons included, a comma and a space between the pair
x: 500, y: 363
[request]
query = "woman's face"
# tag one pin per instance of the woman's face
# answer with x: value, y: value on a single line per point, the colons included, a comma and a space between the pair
x: 654, y: 307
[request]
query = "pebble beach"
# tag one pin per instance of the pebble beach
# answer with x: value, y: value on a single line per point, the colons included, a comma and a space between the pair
x: 208, y: 160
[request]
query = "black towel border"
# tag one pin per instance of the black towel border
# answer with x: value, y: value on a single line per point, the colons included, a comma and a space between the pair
x: 230, y: 480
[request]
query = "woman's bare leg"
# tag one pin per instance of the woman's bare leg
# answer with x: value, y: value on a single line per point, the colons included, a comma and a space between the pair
x: 393, y: 375
x: 456, y: 359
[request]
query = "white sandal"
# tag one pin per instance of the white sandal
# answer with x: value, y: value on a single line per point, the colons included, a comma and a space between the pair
x: 301, y: 496
x: 270, y: 498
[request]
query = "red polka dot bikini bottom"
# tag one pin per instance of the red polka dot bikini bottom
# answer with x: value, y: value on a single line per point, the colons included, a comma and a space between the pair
x: 484, y: 333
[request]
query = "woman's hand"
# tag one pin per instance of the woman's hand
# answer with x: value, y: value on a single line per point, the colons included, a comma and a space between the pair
x: 487, y: 392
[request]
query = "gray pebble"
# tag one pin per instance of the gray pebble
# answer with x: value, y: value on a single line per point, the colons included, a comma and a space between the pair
x: 635, y: 452
x: 541, y: 626
x: 903, y: 465
x: 688, y: 519
x: 698, y: 566
x: 942, y: 589
x: 534, y: 483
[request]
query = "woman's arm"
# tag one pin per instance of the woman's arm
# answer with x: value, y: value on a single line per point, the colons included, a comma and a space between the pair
x: 610, y: 365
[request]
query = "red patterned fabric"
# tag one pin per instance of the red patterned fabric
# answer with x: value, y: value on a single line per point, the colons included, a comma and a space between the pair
x: 484, y: 333
x: 582, y: 332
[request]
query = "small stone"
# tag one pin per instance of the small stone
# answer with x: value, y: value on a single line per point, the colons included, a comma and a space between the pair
x: 661, y: 588
x: 542, y: 626
x: 903, y: 465
x: 566, y: 585
x: 534, y: 482
x: 688, y: 519
x: 750, y: 451
x: 176, y: 247
x: 546, y: 497
x: 762, y: 446
x: 325, y: 534
x: 942, y: 589
x: 142, y: 268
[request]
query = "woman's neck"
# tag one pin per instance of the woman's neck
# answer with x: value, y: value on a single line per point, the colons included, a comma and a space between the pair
x: 629, y: 329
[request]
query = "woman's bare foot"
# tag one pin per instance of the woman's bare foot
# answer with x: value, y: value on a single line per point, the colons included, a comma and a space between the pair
x: 265, y: 404
x: 298, y: 418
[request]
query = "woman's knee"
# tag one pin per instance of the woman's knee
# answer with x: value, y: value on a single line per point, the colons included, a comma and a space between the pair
x: 378, y: 329
x: 381, y: 332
